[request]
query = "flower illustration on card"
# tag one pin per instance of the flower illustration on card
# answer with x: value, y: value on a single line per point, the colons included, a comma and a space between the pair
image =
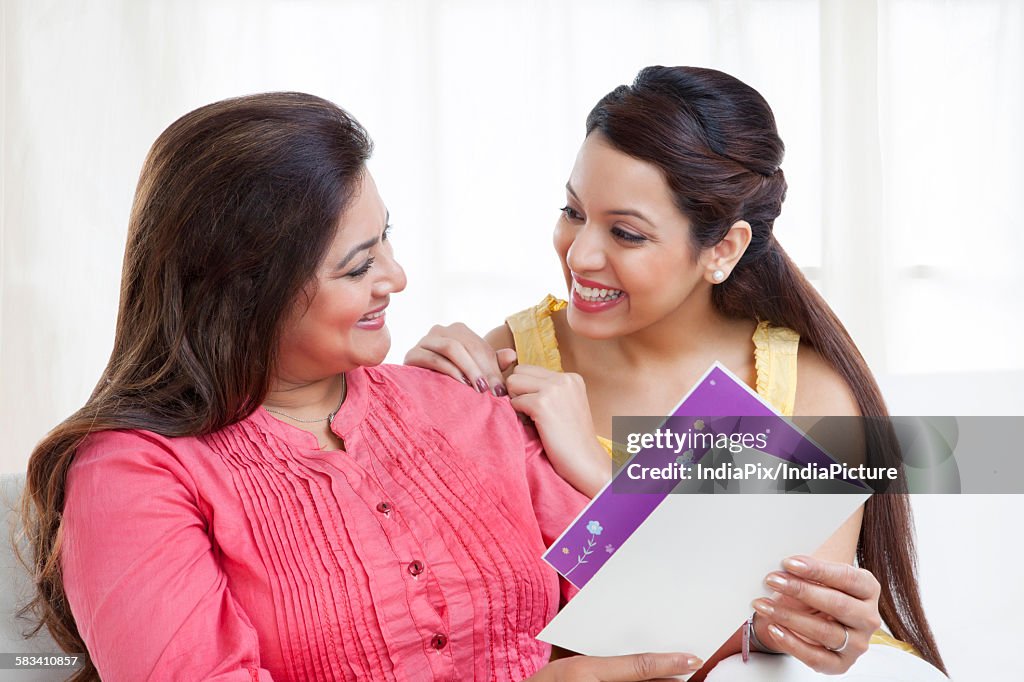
x: 609, y: 548
x: 686, y: 458
x: 595, y: 529
x: 699, y: 425
x: 565, y: 550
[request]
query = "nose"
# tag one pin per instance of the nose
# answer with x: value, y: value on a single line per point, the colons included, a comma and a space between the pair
x: 392, y: 276
x: 586, y: 253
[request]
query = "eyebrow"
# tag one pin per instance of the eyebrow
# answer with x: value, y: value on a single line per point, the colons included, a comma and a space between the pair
x: 621, y: 211
x: 369, y: 243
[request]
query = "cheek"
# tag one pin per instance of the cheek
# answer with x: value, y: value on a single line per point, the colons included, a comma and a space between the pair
x: 649, y: 277
x: 329, y: 323
x: 562, y: 239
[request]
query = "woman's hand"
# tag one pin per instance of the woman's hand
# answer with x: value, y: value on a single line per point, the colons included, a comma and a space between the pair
x: 632, y: 668
x: 456, y: 350
x: 557, y: 404
x: 824, y: 612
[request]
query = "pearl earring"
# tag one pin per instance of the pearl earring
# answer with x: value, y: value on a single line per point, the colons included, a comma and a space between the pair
x: 718, y: 276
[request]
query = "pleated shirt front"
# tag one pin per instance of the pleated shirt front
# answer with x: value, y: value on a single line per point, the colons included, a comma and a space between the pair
x: 249, y: 554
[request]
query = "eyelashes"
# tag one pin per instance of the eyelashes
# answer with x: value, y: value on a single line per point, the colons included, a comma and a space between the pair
x: 570, y: 213
x: 361, y: 271
x: 622, y: 235
x: 628, y: 237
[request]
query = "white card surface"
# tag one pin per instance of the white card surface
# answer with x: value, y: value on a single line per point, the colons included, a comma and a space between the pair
x: 684, y: 580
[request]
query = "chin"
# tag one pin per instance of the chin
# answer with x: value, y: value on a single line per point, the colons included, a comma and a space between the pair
x: 586, y: 326
x: 378, y: 353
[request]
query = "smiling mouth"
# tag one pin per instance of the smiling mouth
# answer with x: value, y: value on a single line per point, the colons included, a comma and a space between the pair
x: 372, y: 316
x: 594, y: 294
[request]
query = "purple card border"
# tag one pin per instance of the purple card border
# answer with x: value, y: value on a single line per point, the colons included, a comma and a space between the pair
x: 612, y: 517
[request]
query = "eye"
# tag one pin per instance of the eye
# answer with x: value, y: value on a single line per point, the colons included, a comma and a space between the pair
x: 361, y: 270
x: 387, y: 232
x: 628, y: 237
x: 571, y: 213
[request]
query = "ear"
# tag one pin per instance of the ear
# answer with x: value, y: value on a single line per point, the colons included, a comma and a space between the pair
x: 720, y: 259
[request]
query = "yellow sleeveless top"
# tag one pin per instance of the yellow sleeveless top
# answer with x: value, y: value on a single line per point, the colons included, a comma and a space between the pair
x: 775, y: 352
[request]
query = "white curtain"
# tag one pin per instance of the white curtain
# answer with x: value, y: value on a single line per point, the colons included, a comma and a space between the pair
x: 901, y: 119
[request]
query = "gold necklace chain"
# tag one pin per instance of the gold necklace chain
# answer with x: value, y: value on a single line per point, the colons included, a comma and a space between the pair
x: 329, y: 418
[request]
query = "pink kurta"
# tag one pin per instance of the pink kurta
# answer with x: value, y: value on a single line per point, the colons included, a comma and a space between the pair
x: 251, y: 555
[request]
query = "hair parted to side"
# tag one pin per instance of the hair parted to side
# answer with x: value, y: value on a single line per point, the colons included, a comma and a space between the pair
x: 236, y: 206
x: 715, y: 141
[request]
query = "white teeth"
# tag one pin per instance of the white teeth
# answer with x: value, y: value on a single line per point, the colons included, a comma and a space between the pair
x: 594, y: 294
x: 373, y: 316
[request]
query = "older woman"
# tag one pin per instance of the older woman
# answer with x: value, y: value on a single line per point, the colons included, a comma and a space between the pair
x: 247, y: 495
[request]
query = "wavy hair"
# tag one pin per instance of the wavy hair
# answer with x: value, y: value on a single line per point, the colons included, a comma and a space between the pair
x: 236, y: 205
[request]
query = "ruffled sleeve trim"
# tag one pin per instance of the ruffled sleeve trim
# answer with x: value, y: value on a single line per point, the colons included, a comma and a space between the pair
x: 534, y: 334
x: 885, y: 639
x: 775, y: 354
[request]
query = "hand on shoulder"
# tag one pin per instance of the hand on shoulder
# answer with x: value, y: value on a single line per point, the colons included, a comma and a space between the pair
x: 457, y: 351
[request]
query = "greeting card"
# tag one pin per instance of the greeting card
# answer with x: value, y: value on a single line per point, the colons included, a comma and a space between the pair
x: 665, y: 566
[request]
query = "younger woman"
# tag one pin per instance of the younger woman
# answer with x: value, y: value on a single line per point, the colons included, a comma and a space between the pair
x: 670, y: 263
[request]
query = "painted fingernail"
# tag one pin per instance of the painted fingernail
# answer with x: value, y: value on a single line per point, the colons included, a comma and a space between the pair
x: 466, y: 381
x: 763, y: 606
x: 795, y: 564
x: 776, y: 580
x: 500, y: 390
x: 694, y: 662
x: 481, y: 385
x: 777, y: 631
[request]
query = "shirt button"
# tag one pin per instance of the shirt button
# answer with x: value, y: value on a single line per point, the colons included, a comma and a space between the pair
x: 416, y: 567
x: 384, y: 508
x: 439, y: 641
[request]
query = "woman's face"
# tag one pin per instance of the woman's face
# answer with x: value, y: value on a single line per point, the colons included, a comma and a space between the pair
x: 624, y: 246
x: 343, y: 326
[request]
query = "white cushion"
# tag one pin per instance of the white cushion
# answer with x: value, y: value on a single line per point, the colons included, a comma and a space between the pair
x: 15, y: 589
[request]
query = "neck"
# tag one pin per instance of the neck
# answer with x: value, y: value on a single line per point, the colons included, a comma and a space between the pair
x: 306, y: 400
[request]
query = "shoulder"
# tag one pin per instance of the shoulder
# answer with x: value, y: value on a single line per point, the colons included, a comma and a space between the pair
x: 423, y: 390
x: 821, y: 389
x: 113, y: 449
x: 500, y: 337
x: 535, y: 333
x: 129, y: 463
x: 458, y: 412
x: 420, y: 386
x: 535, y: 317
x: 124, y: 489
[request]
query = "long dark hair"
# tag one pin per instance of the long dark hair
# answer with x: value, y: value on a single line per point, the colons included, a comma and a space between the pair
x: 715, y: 140
x: 236, y: 205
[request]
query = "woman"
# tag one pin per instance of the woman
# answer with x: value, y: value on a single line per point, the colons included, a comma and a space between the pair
x: 670, y: 262
x: 246, y: 495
